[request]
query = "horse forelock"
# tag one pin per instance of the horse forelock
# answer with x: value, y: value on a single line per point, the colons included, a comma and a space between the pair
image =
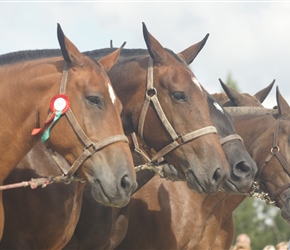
x: 174, y: 55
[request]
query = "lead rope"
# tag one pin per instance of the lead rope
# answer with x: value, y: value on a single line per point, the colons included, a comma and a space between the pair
x: 43, y: 182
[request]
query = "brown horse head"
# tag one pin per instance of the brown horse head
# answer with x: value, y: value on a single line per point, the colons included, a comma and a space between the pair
x: 176, y: 119
x: 234, y: 98
x: 275, y: 176
x: 86, y: 128
x: 269, y: 147
x: 242, y: 167
x: 109, y: 169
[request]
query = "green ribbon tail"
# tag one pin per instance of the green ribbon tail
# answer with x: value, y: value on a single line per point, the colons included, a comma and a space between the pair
x: 46, y: 134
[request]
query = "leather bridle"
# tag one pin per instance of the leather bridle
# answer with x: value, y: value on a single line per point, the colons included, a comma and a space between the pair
x: 275, y: 152
x: 90, y: 147
x: 156, y: 163
x: 178, y: 139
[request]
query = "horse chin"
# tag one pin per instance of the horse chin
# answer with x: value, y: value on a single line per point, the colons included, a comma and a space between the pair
x: 285, y: 213
x: 172, y: 174
x: 285, y: 209
x: 229, y: 187
x: 101, y: 196
x: 193, y: 183
x: 106, y: 192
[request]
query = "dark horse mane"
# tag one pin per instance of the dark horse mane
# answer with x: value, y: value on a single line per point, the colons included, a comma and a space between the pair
x: 26, y: 55
x: 124, y: 52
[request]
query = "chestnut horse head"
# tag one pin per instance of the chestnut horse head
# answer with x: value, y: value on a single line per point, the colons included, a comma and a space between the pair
x: 166, y: 105
x: 83, y: 123
x: 274, y: 176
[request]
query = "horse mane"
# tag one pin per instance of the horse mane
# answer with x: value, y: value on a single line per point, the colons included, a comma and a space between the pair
x: 238, y: 111
x: 124, y: 52
x: 26, y: 55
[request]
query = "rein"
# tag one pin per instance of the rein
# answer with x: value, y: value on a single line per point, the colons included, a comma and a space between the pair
x: 178, y: 140
x: 89, y: 146
x: 275, y: 151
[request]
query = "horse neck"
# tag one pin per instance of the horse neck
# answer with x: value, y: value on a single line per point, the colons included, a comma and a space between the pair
x: 22, y: 101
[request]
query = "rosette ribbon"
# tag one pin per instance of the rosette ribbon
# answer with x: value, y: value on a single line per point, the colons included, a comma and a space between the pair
x: 59, y: 104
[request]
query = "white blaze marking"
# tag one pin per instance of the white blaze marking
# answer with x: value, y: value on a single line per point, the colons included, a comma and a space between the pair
x: 218, y: 107
x: 112, y: 94
x: 196, y: 82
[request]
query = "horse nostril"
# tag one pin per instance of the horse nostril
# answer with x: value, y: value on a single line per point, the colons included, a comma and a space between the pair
x: 125, y: 182
x: 241, y: 169
x: 217, y: 175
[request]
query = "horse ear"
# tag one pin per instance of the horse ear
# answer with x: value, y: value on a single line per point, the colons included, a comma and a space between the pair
x: 69, y: 51
x: 232, y: 94
x: 283, y: 106
x: 155, y: 49
x: 262, y: 94
x: 190, y: 53
x: 108, y: 61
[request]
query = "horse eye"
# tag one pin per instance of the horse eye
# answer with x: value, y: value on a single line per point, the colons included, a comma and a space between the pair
x: 179, y: 96
x: 95, y: 100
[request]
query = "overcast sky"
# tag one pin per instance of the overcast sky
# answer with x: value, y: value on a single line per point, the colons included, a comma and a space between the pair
x: 249, y: 40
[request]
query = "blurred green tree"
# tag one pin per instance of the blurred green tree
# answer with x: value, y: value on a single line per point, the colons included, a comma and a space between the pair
x: 263, y: 223
x: 231, y: 82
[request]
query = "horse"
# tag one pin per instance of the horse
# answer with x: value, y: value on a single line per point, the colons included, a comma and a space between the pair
x: 167, y: 216
x: 130, y: 116
x: 90, y: 139
x: 90, y: 234
x: 146, y: 72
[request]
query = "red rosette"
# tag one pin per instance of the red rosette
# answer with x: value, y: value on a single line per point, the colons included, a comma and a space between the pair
x: 59, y: 102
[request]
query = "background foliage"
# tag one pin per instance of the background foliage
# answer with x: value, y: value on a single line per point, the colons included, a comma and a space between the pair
x: 263, y: 223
